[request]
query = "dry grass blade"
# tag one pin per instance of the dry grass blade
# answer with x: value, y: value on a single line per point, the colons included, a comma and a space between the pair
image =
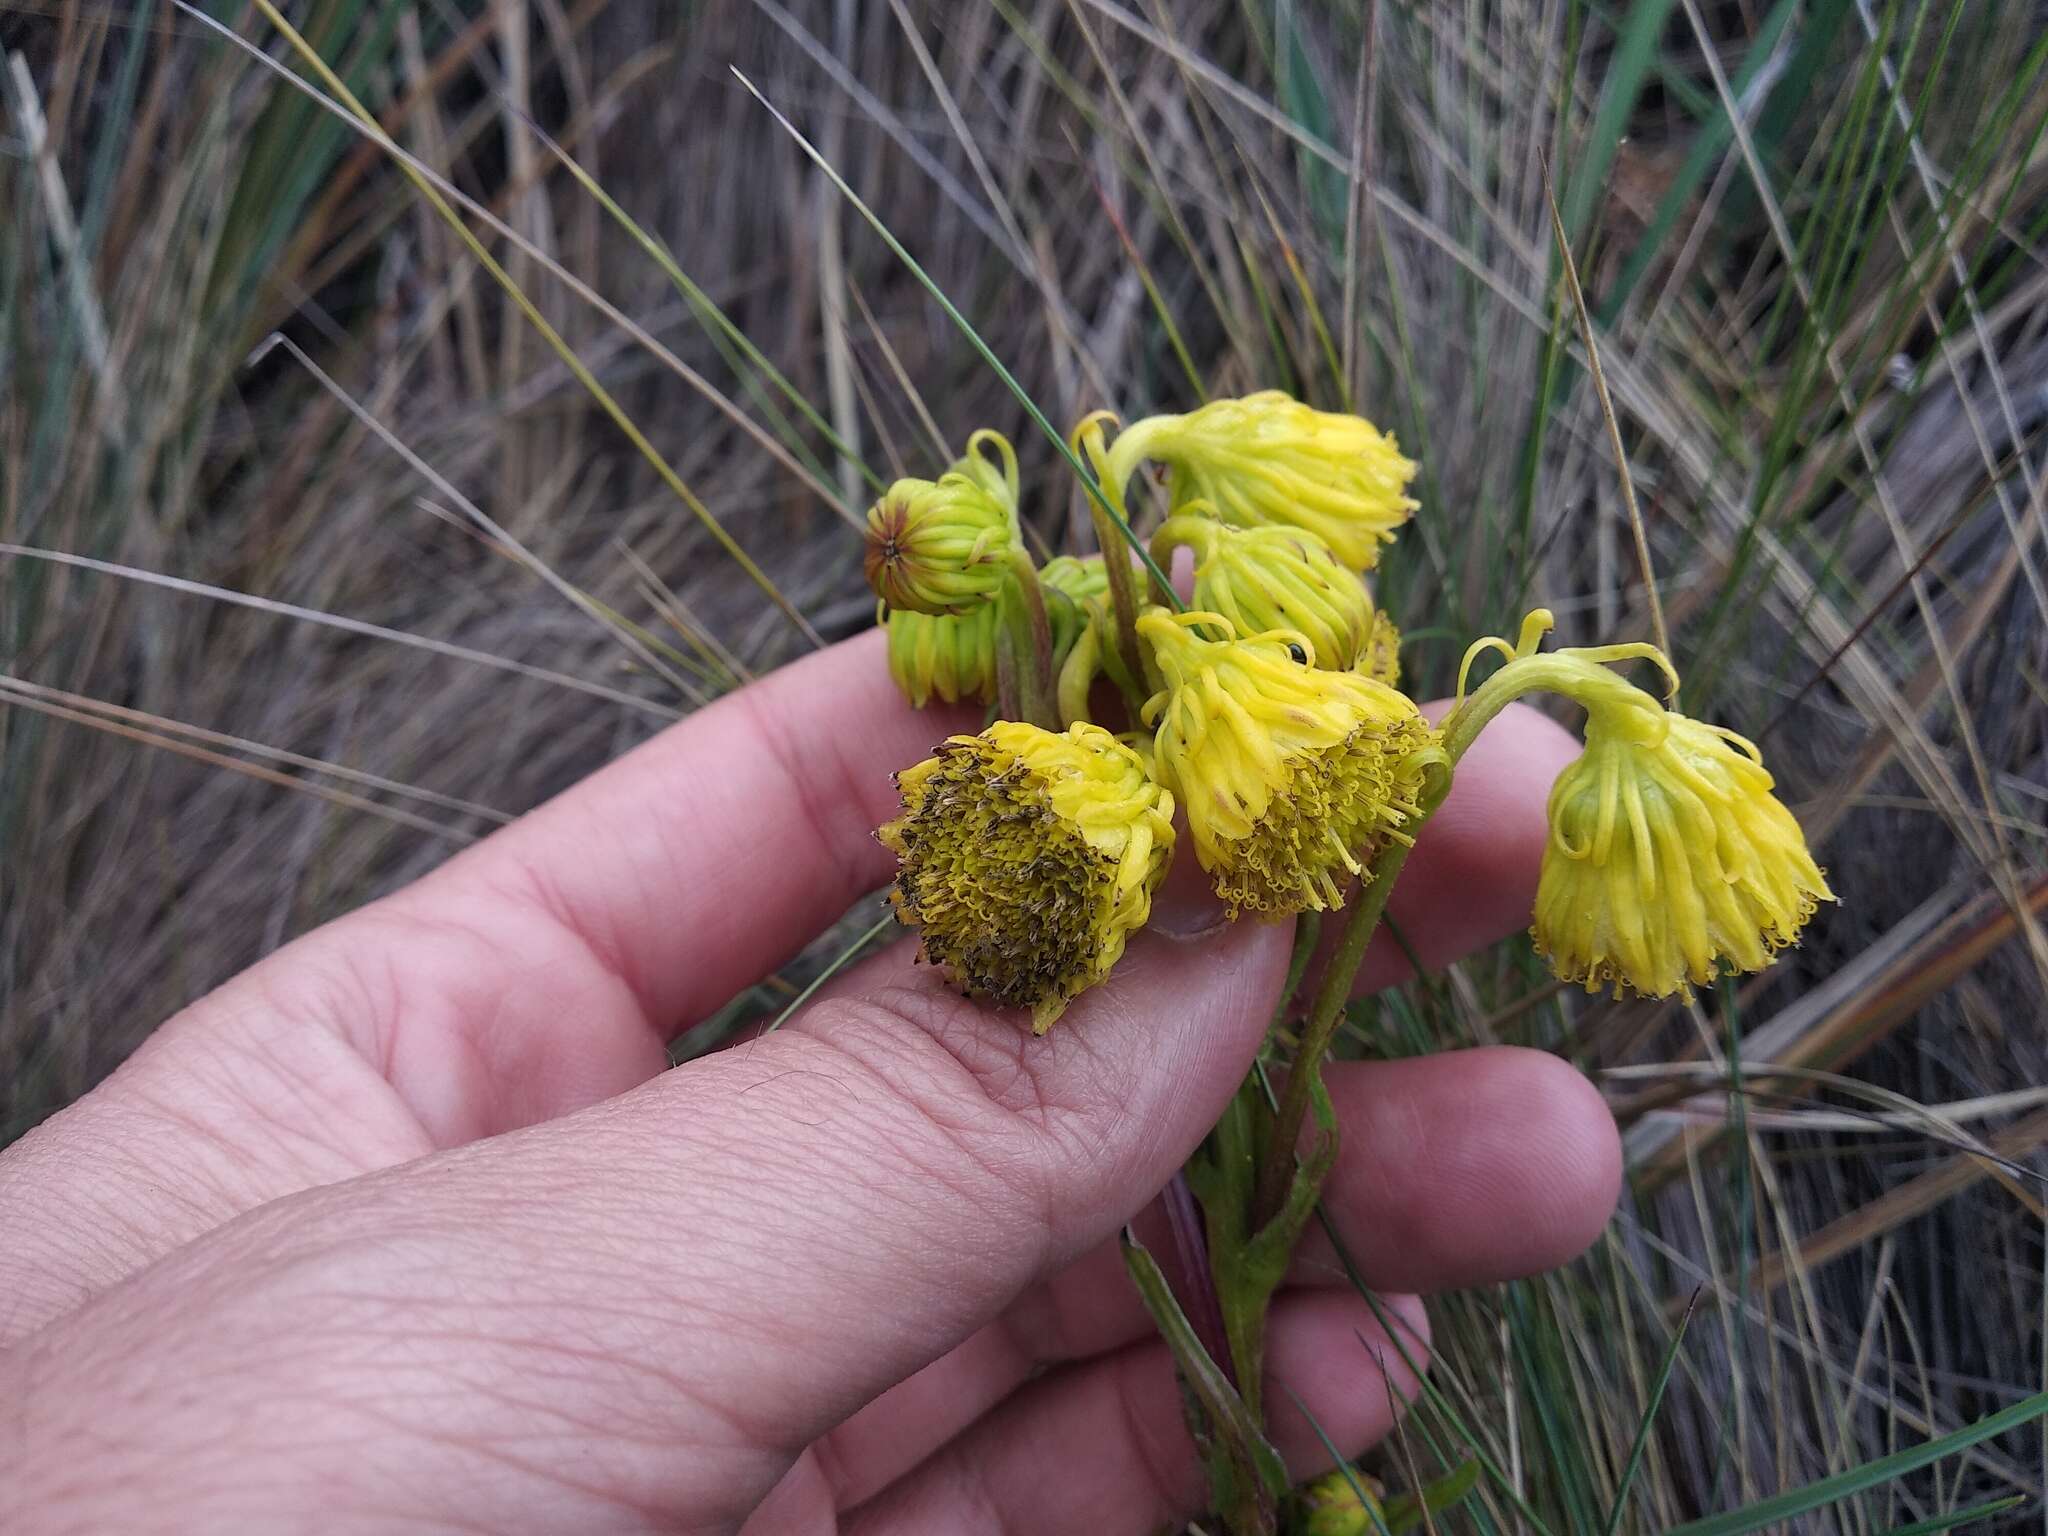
x: 488, y: 525
x: 539, y: 322
x: 158, y: 731
x: 343, y: 623
x: 1659, y: 634
x: 1914, y: 1198
x: 19, y: 697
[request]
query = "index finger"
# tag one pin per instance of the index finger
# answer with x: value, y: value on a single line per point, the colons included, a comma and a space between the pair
x: 702, y: 860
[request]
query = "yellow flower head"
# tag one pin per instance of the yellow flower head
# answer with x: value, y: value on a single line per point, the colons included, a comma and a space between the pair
x: 939, y: 546
x: 1669, y: 856
x: 1380, y: 656
x: 1292, y: 777
x: 1027, y: 858
x: 1267, y: 459
x: 1265, y: 579
x: 938, y: 654
x: 1330, y: 1506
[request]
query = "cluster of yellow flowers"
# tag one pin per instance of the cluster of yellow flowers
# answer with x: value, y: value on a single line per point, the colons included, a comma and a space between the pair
x: 1269, y: 712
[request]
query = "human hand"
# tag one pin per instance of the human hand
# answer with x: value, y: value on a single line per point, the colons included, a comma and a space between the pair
x: 407, y: 1228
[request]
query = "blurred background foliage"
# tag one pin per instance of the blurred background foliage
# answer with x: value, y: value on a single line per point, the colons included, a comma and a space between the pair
x: 317, y: 560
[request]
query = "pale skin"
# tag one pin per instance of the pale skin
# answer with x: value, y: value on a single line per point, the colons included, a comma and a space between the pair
x: 406, y: 1228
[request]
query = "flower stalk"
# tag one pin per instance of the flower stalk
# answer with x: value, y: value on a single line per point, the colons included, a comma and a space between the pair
x: 1123, y: 596
x: 1277, y: 1170
x: 1025, y: 662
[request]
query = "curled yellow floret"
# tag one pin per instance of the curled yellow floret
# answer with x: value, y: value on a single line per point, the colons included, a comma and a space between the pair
x: 1265, y: 579
x: 1293, y: 777
x: 1027, y: 858
x: 952, y: 658
x: 1669, y: 857
x: 942, y: 546
x: 1268, y: 459
x: 1072, y: 586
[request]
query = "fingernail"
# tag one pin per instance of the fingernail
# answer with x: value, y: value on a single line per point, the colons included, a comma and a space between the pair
x: 1187, y: 905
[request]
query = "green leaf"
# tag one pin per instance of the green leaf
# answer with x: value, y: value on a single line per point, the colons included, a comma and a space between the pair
x: 1404, y: 1511
x: 1247, y: 1478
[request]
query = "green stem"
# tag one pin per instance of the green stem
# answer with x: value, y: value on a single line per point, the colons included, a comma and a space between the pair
x: 1077, y: 674
x: 1276, y: 1169
x: 1244, y: 1308
x: 1247, y: 1478
x: 1579, y: 673
x: 1031, y: 642
x: 1112, y: 526
x: 1039, y: 635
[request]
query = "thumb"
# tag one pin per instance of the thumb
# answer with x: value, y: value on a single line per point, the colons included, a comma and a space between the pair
x: 662, y: 1299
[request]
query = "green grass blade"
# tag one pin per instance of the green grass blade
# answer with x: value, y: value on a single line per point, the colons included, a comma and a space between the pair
x: 839, y: 963
x: 1704, y: 155
x: 1635, y: 53
x: 1642, y: 1441
x: 1870, y: 1475
x: 1936, y: 1524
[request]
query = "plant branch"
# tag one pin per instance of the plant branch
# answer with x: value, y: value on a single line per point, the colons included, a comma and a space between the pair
x: 1276, y: 1169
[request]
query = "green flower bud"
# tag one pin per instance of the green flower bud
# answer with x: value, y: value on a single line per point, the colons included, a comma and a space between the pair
x: 1331, y: 1506
x: 939, y: 546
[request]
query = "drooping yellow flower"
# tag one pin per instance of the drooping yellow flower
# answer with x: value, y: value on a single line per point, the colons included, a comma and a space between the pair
x: 1027, y: 857
x: 1273, y: 578
x: 1669, y: 857
x: 1268, y: 459
x: 1293, y: 777
x: 941, y: 546
x: 939, y: 654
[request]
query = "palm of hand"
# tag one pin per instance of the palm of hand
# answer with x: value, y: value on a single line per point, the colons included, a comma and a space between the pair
x: 406, y: 1226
